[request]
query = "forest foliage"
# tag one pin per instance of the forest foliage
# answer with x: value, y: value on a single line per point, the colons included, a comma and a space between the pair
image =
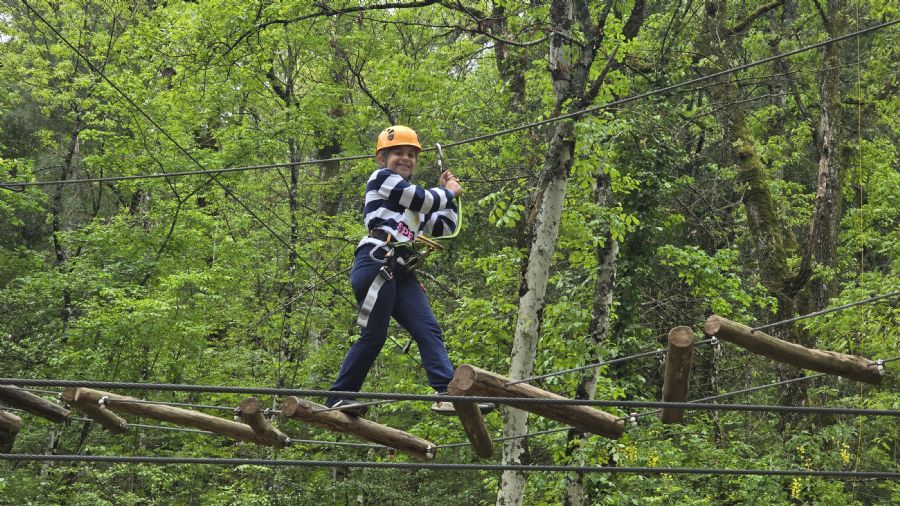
x: 240, y: 278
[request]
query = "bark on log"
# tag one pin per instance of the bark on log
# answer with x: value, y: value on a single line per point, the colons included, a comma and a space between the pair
x: 473, y: 423
x: 301, y: 409
x: 252, y: 416
x: 679, y: 357
x: 18, y: 398
x: 474, y: 381
x: 94, y: 410
x: 9, y: 427
x: 178, y: 416
x: 848, y: 366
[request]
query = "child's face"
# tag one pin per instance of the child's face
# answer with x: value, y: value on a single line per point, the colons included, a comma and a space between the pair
x: 401, y: 160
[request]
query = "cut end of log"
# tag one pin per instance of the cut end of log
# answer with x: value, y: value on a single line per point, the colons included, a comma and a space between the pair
x: 712, y: 325
x: 463, y: 378
x: 249, y: 406
x: 681, y: 337
x: 289, y: 405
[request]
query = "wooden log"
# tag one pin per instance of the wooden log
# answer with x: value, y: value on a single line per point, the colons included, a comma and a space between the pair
x: 171, y: 414
x: 679, y: 356
x: 252, y: 415
x: 301, y: 409
x: 109, y: 420
x: 474, y: 381
x: 9, y: 428
x: 18, y: 398
x: 473, y: 423
x: 848, y: 366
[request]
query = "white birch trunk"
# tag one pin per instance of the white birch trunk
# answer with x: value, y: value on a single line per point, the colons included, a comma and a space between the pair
x: 512, y: 484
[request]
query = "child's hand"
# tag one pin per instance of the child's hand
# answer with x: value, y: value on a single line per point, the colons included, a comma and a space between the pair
x: 450, y: 182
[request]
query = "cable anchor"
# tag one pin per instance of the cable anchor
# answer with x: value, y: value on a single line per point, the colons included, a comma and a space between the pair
x: 879, y: 364
x: 104, y: 401
x: 632, y: 418
x: 716, y: 344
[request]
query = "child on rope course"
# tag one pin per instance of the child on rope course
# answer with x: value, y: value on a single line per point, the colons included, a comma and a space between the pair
x: 395, y: 212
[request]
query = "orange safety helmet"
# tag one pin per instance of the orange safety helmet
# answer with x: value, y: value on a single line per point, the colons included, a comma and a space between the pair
x: 397, y: 135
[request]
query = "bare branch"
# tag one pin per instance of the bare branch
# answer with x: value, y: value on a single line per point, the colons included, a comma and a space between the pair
x: 753, y: 16
x: 325, y: 10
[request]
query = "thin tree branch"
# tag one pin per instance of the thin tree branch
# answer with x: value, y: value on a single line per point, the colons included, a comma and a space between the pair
x: 324, y: 10
x: 753, y: 16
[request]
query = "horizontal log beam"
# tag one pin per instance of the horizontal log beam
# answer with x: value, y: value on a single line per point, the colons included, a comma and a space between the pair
x: 471, y: 380
x: 848, y: 366
x: 473, y: 424
x: 109, y: 420
x: 36, y: 405
x: 9, y: 428
x: 252, y: 415
x: 679, y: 356
x: 301, y: 409
x: 171, y: 414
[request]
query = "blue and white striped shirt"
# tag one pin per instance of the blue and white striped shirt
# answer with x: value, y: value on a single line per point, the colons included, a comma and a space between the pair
x: 405, y: 210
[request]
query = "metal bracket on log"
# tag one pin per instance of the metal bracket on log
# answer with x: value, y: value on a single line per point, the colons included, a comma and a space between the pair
x: 9, y: 428
x: 36, y: 405
x: 848, y: 366
x: 679, y: 356
x: 470, y: 380
x: 473, y: 423
x: 301, y: 409
x: 171, y: 414
x: 96, y: 412
x: 252, y: 415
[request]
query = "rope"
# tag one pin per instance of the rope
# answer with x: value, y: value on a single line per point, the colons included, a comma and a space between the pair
x: 575, y: 114
x: 736, y: 392
x: 450, y: 467
x: 826, y: 311
x: 598, y: 364
x: 514, y: 401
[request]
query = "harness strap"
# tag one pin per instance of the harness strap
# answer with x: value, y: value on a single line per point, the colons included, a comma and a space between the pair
x: 365, y: 309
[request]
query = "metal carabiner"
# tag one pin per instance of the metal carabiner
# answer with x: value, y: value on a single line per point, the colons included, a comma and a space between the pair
x: 388, y: 251
x: 440, y: 157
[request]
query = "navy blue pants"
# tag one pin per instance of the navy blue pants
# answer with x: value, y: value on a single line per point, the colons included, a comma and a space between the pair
x: 405, y: 300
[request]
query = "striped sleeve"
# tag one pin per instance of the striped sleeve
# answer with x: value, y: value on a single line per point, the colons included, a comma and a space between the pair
x: 441, y: 223
x: 390, y: 186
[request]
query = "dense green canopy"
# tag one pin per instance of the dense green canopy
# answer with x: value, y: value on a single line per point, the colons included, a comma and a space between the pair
x: 763, y: 194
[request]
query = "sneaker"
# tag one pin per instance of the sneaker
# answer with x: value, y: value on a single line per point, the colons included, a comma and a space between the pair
x: 443, y: 408
x: 350, y: 407
x: 446, y: 408
x: 486, y: 407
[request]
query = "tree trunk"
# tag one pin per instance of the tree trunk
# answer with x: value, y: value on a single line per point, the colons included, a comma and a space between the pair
x: 821, y: 245
x: 598, y: 330
x: 570, y: 70
x: 763, y: 220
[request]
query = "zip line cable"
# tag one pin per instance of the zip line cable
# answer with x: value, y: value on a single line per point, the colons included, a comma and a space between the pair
x: 448, y: 467
x: 574, y: 114
x: 658, y: 351
x: 513, y: 401
x: 830, y: 310
x: 736, y: 392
